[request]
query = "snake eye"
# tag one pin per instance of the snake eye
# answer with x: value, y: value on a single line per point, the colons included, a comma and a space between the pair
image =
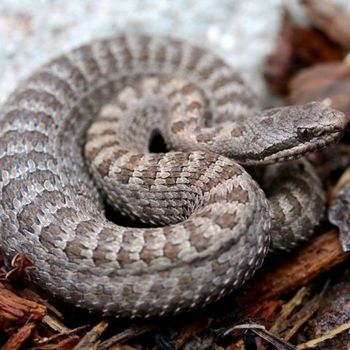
x: 304, y: 134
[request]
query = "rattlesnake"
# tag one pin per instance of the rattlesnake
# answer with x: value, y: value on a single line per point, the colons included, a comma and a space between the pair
x: 209, y: 221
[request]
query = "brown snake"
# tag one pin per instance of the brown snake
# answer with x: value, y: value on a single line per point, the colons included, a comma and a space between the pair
x: 210, y: 221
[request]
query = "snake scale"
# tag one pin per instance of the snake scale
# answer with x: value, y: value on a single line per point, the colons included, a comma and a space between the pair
x: 208, y: 222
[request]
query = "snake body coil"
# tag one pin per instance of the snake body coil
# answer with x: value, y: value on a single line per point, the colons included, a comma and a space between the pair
x: 212, y: 221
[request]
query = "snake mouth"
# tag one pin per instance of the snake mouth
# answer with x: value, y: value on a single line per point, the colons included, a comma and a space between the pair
x: 301, y: 149
x: 329, y: 130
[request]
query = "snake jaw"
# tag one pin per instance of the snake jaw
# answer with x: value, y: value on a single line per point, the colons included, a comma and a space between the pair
x: 318, y: 128
x: 305, y: 148
x: 330, y: 136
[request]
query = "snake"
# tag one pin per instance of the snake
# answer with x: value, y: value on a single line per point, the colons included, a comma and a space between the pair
x: 75, y: 137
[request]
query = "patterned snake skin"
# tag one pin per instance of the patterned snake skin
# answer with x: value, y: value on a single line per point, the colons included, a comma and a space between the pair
x: 209, y: 222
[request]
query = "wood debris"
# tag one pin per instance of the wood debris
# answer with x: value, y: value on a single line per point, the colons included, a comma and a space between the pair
x: 91, y: 340
x: 280, y: 63
x: 297, y: 269
x: 330, y: 335
x: 19, y: 338
x: 329, y: 18
x: 312, y: 47
x: 323, y: 81
x: 17, y: 310
x: 20, y: 265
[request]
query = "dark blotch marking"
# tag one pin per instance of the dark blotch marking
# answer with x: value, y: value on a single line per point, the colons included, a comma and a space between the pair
x: 226, y: 220
x: 237, y: 131
x: 177, y: 127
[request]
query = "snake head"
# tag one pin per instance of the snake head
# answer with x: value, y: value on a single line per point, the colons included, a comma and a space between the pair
x: 295, y: 130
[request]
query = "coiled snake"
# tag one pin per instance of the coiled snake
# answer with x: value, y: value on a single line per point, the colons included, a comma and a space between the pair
x: 209, y: 222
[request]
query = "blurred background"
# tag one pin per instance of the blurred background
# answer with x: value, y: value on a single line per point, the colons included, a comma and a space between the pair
x: 33, y: 31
